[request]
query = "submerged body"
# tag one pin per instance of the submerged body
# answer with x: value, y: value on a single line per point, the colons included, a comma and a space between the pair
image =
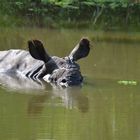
x: 36, y: 64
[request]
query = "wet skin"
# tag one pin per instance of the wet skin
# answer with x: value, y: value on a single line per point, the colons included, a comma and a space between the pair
x: 37, y: 64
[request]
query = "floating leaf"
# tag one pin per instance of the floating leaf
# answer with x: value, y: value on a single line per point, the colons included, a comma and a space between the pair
x: 128, y: 82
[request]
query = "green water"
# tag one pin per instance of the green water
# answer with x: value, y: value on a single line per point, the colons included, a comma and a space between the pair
x: 103, y: 109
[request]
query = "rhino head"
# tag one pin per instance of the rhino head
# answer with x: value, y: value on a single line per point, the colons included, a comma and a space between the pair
x: 65, y: 71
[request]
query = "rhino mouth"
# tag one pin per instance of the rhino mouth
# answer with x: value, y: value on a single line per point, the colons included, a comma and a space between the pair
x: 64, y: 77
x: 70, y: 81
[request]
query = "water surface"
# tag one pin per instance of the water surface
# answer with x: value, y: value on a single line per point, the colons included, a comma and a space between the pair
x: 102, y: 109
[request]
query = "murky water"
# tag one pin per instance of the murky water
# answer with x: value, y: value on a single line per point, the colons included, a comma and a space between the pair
x: 105, y: 108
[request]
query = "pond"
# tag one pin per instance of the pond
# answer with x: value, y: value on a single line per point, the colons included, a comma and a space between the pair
x: 106, y: 107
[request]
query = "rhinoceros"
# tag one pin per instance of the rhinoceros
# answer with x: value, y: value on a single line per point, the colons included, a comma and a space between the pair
x: 37, y: 64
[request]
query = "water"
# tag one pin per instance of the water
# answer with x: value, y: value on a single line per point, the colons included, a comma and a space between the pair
x: 105, y: 108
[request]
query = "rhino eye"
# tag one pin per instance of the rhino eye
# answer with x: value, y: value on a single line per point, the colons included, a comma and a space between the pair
x: 55, y: 79
x: 64, y: 81
x: 61, y: 63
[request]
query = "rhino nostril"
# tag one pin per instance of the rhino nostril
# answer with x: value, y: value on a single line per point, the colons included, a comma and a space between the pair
x: 64, y: 81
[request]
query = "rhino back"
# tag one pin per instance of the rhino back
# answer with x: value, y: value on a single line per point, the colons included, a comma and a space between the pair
x: 17, y: 60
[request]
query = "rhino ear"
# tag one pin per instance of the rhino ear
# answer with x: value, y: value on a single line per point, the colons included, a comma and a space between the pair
x: 81, y: 50
x: 37, y: 50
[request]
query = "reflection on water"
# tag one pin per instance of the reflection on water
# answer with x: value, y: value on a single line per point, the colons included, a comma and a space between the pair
x: 21, y: 83
x: 68, y: 98
x: 102, y: 109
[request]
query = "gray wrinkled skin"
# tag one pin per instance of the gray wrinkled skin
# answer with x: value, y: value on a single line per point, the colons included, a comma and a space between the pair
x: 67, y: 74
x: 37, y: 65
